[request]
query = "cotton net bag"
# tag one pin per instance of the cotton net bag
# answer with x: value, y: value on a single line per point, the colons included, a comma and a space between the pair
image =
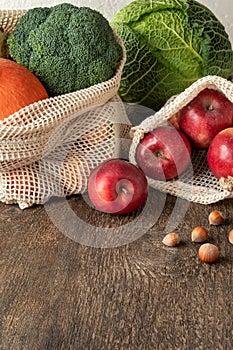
x: 49, y: 147
x: 197, y: 183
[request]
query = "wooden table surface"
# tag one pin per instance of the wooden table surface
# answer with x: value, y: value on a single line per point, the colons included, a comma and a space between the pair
x: 59, y: 294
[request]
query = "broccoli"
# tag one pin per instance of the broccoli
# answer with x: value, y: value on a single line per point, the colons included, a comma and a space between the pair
x: 67, y: 47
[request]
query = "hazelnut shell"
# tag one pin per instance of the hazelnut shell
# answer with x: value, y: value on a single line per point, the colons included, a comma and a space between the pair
x: 230, y: 236
x: 199, y: 234
x: 208, y: 252
x: 171, y: 239
x: 216, y: 218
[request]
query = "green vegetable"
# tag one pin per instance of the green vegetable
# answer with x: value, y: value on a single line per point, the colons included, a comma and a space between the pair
x: 67, y: 47
x: 169, y: 45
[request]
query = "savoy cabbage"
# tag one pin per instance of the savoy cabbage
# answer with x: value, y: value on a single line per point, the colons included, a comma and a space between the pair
x: 169, y: 45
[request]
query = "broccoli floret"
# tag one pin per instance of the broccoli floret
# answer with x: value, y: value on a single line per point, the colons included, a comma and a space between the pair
x: 17, y: 41
x: 67, y: 47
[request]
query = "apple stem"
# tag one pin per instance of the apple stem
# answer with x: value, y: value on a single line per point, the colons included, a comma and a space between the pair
x: 124, y: 190
x: 210, y: 108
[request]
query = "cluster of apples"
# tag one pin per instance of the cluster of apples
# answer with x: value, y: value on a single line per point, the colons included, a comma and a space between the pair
x: 117, y: 186
x: 207, y: 121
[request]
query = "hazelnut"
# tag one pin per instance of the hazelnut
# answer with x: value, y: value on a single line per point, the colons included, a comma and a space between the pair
x: 208, y: 253
x: 199, y: 234
x: 216, y: 218
x: 230, y: 236
x: 171, y: 239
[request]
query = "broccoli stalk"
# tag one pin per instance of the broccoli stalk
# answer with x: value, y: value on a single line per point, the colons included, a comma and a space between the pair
x: 67, y: 47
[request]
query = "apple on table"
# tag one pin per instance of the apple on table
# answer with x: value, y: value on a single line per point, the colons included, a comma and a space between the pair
x: 117, y: 186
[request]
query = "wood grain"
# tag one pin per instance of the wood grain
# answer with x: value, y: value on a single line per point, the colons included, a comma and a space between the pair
x: 57, y: 294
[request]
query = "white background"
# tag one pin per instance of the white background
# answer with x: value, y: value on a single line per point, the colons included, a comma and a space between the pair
x: 223, y: 9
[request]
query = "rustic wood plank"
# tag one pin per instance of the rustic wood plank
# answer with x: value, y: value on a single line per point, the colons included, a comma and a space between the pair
x: 58, y: 294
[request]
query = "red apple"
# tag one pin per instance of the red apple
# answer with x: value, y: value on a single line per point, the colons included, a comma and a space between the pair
x: 220, y: 154
x: 117, y: 186
x: 164, y: 153
x: 207, y: 114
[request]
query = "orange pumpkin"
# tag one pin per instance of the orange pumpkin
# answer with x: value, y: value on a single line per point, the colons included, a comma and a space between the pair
x: 18, y: 87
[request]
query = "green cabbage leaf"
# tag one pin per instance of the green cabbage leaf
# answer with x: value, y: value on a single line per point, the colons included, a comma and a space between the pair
x: 169, y: 45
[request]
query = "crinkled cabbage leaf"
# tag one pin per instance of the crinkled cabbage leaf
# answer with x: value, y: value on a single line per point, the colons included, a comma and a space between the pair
x: 169, y: 45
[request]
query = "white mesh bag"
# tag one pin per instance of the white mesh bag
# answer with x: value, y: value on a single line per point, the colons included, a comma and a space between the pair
x: 197, y: 184
x: 49, y: 147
